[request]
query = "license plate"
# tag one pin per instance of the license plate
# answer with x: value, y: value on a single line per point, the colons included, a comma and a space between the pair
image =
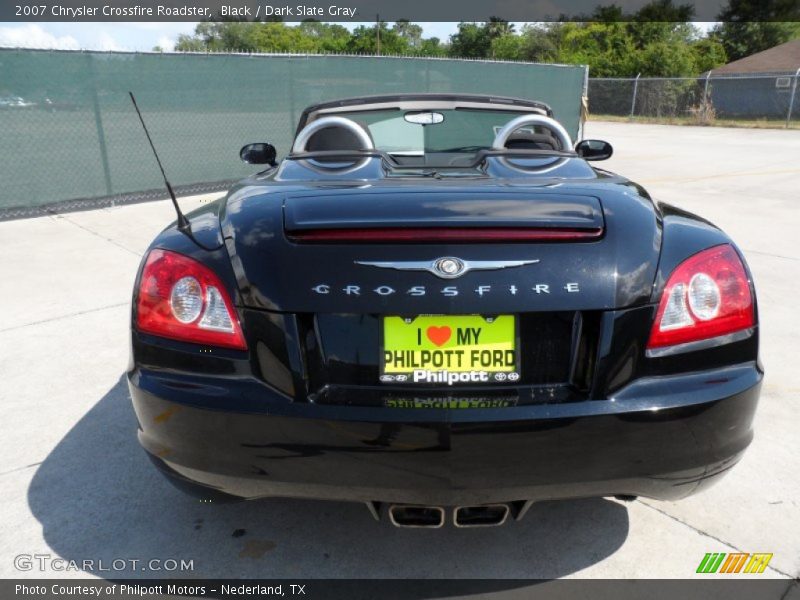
x: 450, y: 350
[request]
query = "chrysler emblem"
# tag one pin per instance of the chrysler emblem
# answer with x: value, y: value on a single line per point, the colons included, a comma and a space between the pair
x: 448, y: 267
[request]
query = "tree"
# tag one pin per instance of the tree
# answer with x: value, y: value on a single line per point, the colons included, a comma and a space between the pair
x: 661, y: 59
x: 664, y: 11
x: 219, y: 36
x: 539, y: 43
x: 277, y: 37
x: 608, y: 14
x: 507, y: 47
x: 432, y: 47
x: 410, y: 32
x: 708, y: 54
x: 743, y: 39
x: 471, y: 41
x: 364, y: 40
x: 497, y: 27
x: 656, y: 41
x: 190, y: 43
x: 618, y: 45
x: 329, y: 37
x: 750, y: 11
x: 750, y: 26
x: 607, y: 48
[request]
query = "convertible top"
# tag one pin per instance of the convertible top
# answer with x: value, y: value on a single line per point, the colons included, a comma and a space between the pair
x: 407, y: 101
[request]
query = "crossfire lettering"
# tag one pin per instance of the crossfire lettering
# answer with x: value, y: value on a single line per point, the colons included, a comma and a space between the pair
x: 325, y: 289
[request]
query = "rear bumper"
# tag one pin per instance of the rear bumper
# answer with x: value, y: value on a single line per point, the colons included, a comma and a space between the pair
x: 662, y: 437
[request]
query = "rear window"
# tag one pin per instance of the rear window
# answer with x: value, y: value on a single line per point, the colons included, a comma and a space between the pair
x: 461, y: 130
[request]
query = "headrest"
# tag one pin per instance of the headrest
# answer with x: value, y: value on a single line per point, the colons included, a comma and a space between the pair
x: 522, y: 140
x: 334, y: 138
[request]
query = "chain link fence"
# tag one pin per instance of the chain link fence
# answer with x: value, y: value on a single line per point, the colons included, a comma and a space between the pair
x: 70, y: 136
x: 702, y: 100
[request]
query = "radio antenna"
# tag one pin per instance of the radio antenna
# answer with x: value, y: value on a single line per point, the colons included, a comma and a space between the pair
x: 183, y: 222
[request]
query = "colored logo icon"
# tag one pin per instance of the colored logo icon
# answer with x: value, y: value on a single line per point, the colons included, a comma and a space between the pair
x: 735, y: 562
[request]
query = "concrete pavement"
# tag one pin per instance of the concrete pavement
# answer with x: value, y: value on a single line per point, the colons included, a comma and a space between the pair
x: 74, y: 483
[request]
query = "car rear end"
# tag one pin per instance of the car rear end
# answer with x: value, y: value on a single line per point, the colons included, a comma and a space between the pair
x: 311, y: 361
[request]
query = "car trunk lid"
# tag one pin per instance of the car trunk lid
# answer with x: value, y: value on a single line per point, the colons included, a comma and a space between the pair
x: 404, y: 216
x: 280, y: 268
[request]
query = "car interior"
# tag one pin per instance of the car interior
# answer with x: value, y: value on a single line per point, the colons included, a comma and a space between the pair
x: 337, y: 137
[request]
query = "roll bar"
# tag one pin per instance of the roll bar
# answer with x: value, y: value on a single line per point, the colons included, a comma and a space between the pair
x: 558, y: 130
x: 305, y: 134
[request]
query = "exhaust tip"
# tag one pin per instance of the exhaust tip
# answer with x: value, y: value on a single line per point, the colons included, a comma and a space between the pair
x: 487, y: 515
x: 402, y: 515
x: 625, y: 497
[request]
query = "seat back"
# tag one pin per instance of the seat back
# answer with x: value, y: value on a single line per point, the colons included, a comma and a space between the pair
x: 522, y: 140
x: 334, y: 138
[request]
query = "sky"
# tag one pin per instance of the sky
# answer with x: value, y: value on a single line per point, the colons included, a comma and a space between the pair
x: 141, y: 36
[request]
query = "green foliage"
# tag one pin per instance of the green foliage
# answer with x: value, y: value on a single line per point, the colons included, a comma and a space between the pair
x: 410, y: 32
x: 661, y: 59
x: 308, y: 36
x: 277, y: 37
x: 607, y: 48
x: 432, y: 47
x: 665, y: 12
x: 365, y: 40
x: 750, y: 26
x: 471, y: 41
x: 329, y: 37
x: 481, y: 40
x: 539, y: 44
x: 708, y: 54
x: 507, y: 47
x: 746, y: 38
x: 656, y: 41
x: 191, y: 43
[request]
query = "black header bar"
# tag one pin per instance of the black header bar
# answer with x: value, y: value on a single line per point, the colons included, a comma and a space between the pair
x: 386, y: 10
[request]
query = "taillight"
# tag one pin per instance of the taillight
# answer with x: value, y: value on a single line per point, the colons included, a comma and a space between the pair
x: 707, y: 296
x: 420, y: 235
x: 182, y: 299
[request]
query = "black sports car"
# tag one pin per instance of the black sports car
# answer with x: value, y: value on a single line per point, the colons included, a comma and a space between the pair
x: 434, y: 305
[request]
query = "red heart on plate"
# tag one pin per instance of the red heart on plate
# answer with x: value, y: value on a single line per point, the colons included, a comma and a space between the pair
x: 439, y: 335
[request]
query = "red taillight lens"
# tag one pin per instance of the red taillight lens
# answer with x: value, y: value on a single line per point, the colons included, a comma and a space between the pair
x: 707, y: 296
x: 182, y: 299
x: 420, y: 235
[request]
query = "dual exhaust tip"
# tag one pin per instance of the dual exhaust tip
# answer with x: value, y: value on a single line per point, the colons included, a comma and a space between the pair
x: 433, y: 517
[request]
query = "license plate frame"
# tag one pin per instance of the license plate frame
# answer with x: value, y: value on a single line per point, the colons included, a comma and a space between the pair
x: 427, y: 334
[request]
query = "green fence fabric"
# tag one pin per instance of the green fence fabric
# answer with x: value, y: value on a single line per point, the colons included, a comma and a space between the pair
x: 68, y: 130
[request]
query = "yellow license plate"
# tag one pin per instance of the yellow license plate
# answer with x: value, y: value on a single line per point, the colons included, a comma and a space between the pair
x: 450, y: 350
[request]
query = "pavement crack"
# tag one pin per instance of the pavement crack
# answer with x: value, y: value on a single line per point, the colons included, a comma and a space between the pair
x: 36, y: 464
x: 771, y: 255
x: 60, y: 317
x: 94, y: 233
x: 708, y: 535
